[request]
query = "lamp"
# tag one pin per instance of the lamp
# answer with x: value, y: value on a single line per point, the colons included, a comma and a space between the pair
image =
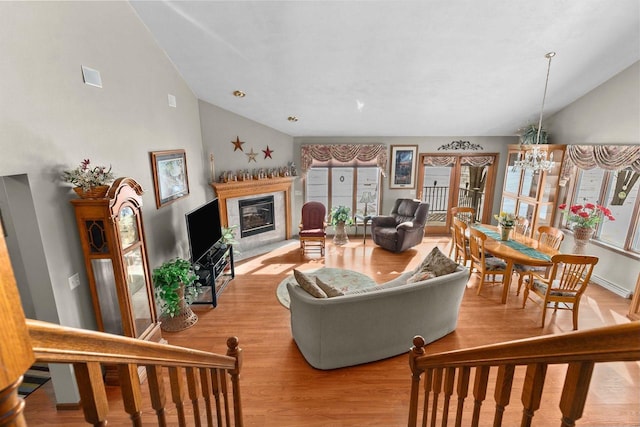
x: 366, y: 198
x: 535, y: 159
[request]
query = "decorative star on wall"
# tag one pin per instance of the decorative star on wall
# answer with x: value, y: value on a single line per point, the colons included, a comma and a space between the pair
x: 237, y: 144
x: 267, y: 153
x: 252, y: 156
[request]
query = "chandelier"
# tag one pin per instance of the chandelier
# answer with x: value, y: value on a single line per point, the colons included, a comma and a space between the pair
x: 535, y: 159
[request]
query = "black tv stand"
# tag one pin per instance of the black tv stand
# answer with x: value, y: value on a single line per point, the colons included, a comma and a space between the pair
x: 215, y: 273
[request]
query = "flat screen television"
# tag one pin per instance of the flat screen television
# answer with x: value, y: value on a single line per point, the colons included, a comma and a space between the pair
x: 204, y: 229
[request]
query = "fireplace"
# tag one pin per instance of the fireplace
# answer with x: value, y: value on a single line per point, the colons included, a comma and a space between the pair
x: 256, y: 216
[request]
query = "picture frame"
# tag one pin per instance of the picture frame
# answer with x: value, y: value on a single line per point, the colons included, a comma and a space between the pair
x: 403, y: 166
x: 170, y: 177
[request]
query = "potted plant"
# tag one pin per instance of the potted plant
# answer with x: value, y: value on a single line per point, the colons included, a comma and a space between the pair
x: 583, y: 220
x: 339, y: 217
x: 176, y: 287
x: 506, y: 221
x: 529, y: 135
x: 90, y: 181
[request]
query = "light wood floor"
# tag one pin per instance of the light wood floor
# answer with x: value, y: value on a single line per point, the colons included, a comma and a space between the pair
x: 280, y: 389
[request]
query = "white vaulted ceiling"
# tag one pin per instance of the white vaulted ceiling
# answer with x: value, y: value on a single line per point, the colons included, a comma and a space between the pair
x: 395, y: 68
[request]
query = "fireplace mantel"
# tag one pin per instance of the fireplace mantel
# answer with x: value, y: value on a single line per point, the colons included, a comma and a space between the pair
x: 230, y: 190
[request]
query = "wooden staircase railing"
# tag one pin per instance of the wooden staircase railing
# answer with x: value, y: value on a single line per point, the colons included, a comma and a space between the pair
x: 445, y: 372
x: 206, y: 375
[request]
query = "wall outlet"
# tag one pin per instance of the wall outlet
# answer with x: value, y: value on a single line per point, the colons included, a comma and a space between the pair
x: 74, y: 281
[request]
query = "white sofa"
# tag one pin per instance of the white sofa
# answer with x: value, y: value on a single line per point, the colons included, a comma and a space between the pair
x: 376, y: 323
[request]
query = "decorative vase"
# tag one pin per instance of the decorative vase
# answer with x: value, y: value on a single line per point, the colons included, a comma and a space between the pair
x: 97, y: 192
x: 505, y: 232
x: 185, y: 318
x: 581, y: 236
x: 340, y: 238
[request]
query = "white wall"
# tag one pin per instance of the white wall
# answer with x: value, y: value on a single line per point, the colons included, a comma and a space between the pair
x: 50, y: 120
x: 220, y: 127
x: 609, y: 114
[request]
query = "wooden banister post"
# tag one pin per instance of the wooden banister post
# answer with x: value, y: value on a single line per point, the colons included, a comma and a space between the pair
x: 503, y: 391
x: 94, y: 396
x: 16, y: 354
x: 234, y: 351
x: 131, y: 396
x: 532, y: 391
x: 574, y: 392
x: 156, y: 392
x: 416, y: 350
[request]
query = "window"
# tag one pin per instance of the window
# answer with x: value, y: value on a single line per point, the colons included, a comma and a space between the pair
x: 344, y: 186
x: 620, y: 192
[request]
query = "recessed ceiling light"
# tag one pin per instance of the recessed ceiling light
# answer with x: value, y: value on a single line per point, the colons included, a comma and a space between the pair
x: 239, y: 93
x: 292, y: 118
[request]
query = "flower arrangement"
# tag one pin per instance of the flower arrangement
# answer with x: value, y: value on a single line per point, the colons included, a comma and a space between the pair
x: 506, y: 219
x: 86, y: 176
x: 585, y: 216
x: 341, y: 214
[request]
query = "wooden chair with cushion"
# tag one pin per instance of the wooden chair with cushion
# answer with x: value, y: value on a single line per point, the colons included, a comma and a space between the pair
x: 312, y: 226
x: 564, y: 285
x: 521, y: 226
x: 547, y: 236
x: 488, y: 267
x: 460, y: 242
x: 462, y: 213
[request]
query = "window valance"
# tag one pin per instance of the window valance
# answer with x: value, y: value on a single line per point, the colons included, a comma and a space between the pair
x: 477, y: 161
x: 439, y: 161
x: 343, y: 153
x: 609, y: 157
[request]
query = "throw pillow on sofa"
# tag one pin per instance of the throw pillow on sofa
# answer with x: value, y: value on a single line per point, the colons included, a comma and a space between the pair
x: 308, y: 284
x: 438, y: 263
x: 328, y: 289
x: 421, y: 275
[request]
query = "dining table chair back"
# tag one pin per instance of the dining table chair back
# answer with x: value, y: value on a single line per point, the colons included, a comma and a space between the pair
x: 521, y: 226
x: 550, y: 236
x: 465, y: 213
x: 547, y: 236
x: 487, y: 267
x: 564, y: 286
x: 460, y: 241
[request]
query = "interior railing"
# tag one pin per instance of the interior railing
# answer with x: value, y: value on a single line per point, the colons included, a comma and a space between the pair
x: 191, y: 375
x: 448, y: 377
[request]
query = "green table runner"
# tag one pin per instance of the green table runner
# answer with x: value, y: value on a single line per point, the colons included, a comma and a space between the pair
x: 515, y: 245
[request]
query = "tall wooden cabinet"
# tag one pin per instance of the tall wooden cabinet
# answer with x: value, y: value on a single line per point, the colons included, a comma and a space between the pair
x: 529, y: 194
x: 115, y: 254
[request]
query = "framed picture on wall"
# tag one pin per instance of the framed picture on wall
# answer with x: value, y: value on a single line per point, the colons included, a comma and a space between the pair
x: 403, y: 166
x: 170, y: 179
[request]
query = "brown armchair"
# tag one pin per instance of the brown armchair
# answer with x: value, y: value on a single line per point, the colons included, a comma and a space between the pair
x: 403, y: 228
x: 312, y: 226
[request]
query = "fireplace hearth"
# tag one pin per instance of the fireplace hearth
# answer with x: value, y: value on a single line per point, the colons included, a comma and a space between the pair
x: 256, y: 216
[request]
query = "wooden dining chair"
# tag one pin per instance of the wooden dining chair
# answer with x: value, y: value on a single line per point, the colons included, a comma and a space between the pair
x: 564, y: 285
x: 488, y: 267
x: 463, y: 213
x: 547, y: 236
x: 521, y: 226
x: 460, y: 242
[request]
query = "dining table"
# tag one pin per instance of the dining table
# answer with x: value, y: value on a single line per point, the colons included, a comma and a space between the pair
x: 519, y: 249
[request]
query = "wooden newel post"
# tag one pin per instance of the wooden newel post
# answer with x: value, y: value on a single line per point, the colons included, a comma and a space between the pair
x: 416, y: 351
x: 16, y: 354
x: 236, y: 352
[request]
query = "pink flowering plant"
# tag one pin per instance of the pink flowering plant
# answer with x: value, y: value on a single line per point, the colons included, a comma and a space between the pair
x: 585, y: 216
x: 87, y: 176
